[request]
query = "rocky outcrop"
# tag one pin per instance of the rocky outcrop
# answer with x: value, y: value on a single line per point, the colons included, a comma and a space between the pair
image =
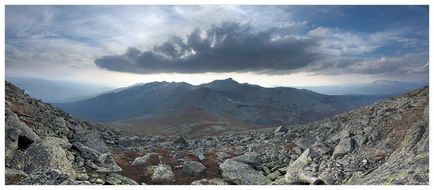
x: 45, y: 145
x: 408, y: 164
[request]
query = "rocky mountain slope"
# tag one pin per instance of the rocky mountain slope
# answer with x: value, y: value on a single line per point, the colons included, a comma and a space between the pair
x: 384, y: 143
x: 226, y: 103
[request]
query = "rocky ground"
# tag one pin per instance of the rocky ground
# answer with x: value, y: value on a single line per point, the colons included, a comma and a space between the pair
x: 385, y: 143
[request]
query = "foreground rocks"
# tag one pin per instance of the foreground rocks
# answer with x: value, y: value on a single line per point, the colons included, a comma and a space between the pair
x: 45, y: 145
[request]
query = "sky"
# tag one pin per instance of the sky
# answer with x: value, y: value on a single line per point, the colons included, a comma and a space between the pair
x: 265, y: 45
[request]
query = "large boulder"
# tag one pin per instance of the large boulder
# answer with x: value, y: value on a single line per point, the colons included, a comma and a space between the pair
x: 62, y: 142
x: 163, y: 174
x: 95, y: 160
x: 295, y: 173
x: 42, y: 155
x: 251, y: 158
x: 344, y: 147
x: 193, y: 167
x: 320, y: 149
x: 18, y: 136
x: 242, y: 174
x: 91, y: 139
x: 280, y: 130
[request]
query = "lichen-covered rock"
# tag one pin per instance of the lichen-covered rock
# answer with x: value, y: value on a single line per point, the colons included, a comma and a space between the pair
x: 45, y: 177
x: 242, y: 174
x: 64, y: 143
x: 295, y: 173
x: 42, y: 155
x: 163, y: 173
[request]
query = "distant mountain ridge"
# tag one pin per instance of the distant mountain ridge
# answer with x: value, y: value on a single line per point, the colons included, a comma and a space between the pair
x: 230, y: 100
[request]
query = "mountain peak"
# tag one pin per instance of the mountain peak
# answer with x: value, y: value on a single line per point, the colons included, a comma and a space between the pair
x: 228, y: 83
x: 228, y: 80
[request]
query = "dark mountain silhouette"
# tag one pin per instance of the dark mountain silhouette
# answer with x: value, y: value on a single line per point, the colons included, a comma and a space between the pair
x: 228, y: 99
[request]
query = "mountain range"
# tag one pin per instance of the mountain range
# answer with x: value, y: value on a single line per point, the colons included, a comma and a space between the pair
x: 219, y: 104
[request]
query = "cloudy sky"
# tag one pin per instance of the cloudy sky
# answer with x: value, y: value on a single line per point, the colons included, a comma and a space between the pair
x: 265, y: 45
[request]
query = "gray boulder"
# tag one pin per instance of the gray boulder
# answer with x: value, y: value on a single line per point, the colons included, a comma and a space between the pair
x: 344, y: 147
x: 360, y: 140
x: 320, y: 149
x: 295, y: 173
x: 163, y: 173
x: 251, y: 158
x: 18, y: 136
x: 193, y: 167
x: 95, y: 160
x: 46, y: 177
x: 64, y: 143
x: 304, y: 143
x: 92, y: 140
x: 42, y: 155
x: 280, y: 130
x: 242, y: 174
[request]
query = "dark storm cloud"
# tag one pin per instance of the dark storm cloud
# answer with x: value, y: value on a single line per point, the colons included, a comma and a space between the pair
x: 229, y: 47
